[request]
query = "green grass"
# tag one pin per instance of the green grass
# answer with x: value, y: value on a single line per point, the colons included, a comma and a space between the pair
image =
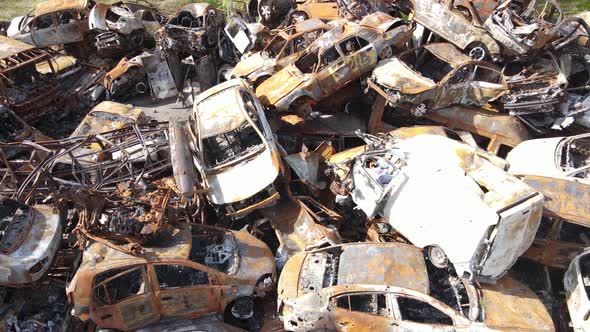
x: 12, y: 8
x: 571, y: 7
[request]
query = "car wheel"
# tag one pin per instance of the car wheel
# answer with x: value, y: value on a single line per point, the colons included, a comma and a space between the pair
x: 477, y: 52
x: 298, y: 16
x: 386, y: 53
x: 242, y: 308
x: 437, y: 257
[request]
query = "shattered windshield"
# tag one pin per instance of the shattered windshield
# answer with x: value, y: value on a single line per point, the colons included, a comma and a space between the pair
x: 226, y: 134
x: 575, y: 154
x: 273, y: 49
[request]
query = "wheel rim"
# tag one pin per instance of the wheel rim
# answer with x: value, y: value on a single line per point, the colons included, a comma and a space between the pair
x: 438, y: 257
x: 477, y: 53
x: 265, y: 12
x: 420, y: 109
x: 243, y: 309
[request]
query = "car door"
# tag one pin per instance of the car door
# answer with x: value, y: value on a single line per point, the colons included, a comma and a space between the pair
x: 69, y: 26
x: 123, y: 298
x: 486, y: 84
x: 413, y: 314
x: 43, y: 31
x: 332, y: 72
x: 185, y: 290
x: 453, y: 87
x: 368, y: 310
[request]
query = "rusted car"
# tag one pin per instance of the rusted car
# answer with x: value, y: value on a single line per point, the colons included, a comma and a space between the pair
x: 53, y: 22
x: 559, y: 167
x: 202, y: 270
x: 29, y: 239
x: 576, y: 282
x: 236, y: 153
x: 122, y: 26
x: 148, y: 71
x: 326, y: 10
x: 458, y: 24
x: 108, y: 116
x: 439, y: 76
x: 195, y: 28
x: 497, y: 213
x: 23, y: 88
x: 391, y: 287
x: 335, y: 59
x: 280, y: 52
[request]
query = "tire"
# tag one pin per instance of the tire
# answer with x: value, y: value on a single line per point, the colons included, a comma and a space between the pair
x: 243, y: 312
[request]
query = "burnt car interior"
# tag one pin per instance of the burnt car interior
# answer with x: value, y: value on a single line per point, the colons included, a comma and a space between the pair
x: 16, y: 219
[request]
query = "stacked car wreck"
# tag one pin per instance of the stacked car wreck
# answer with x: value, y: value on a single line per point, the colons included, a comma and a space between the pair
x: 277, y: 165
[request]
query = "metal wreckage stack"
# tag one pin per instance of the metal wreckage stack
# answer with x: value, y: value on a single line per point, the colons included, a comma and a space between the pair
x: 399, y: 165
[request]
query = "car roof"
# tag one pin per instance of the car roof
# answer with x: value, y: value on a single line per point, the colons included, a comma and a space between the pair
x: 52, y: 6
x: 10, y: 47
x: 100, y: 256
x: 393, y: 264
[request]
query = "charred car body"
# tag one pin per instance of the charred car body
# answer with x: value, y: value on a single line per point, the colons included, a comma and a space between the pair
x: 203, y: 270
x: 281, y: 51
x: 338, y: 57
x: 233, y: 143
x: 441, y: 76
x: 508, y: 211
x: 390, y: 287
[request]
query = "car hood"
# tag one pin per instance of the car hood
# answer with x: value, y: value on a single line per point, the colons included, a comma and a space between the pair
x: 535, y: 157
x: 250, y: 64
x: 394, y: 74
x: 511, y: 306
x: 279, y: 85
x: 244, y: 179
x: 256, y: 259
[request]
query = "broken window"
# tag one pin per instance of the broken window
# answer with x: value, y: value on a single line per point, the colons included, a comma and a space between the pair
x: 43, y: 22
x: 275, y: 46
x: 65, y: 18
x: 352, y: 45
x: 421, y: 312
x: 231, y: 145
x: 172, y: 276
x: 575, y: 154
x: 429, y: 65
x: 330, y: 56
x: 307, y: 62
x: 113, y: 286
x: 374, y: 304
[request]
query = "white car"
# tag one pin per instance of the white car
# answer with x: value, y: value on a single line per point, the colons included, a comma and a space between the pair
x: 236, y: 152
x: 441, y: 195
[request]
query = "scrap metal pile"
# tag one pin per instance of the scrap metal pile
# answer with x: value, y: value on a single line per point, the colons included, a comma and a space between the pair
x: 382, y: 165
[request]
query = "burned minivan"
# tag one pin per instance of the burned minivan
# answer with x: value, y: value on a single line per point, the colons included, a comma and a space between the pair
x: 236, y: 153
x: 478, y: 217
x: 24, y: 88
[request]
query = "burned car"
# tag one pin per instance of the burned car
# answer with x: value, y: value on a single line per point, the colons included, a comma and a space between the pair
x: 458, y: 24
x: 390, y: 287
x: 440, y: 76
x: 576, y: 282
x: 326, y: 10
x: 195, y: 28
x: 202, y: 270
x: 335, y: 59
x: 497, y: 213
x: 559, y: 167
x: 54, y: 22
x: 29, y: 239
x: 23, y: 87
x: 123, y: 26
x: 108, y: 116
x: 236, y: 153
x: 280, y: 52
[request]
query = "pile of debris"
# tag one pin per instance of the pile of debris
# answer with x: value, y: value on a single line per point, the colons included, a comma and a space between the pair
x: 282, y: 165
